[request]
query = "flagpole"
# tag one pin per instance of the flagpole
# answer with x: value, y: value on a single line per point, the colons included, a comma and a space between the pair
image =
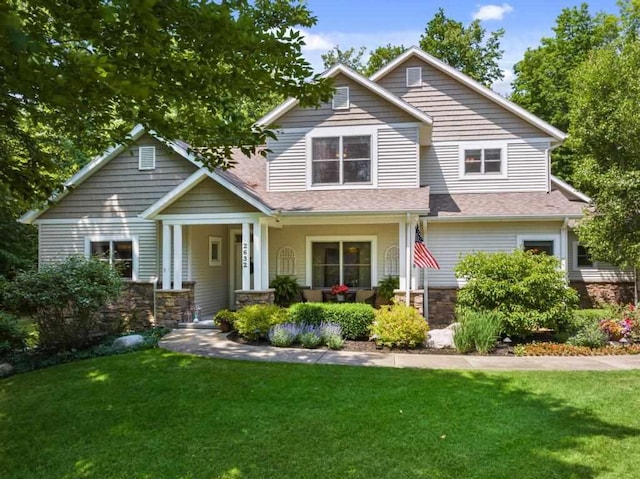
x: 425, y: 280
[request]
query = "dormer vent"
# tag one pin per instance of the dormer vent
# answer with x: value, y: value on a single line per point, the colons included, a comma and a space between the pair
x: 147, y: 158
x: 341, y: 98
x: 414, y: 76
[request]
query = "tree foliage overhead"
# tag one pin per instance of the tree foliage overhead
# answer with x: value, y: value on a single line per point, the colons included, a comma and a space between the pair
x: 86, y: 72
x: 354, y: 58
x: 467, y: 49
x: 605, y: 134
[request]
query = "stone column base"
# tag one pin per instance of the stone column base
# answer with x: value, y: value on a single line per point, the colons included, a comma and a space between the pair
x: 416, y: 298
x: 173, y: 306
x: 248, y: 298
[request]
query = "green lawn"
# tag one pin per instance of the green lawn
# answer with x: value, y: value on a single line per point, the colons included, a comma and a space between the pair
x: 155, y: 414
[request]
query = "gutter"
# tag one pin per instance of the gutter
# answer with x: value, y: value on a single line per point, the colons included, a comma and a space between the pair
x: 436, y: 219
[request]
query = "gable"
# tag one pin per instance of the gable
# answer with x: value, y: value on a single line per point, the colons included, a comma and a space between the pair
x: 120, y: 189
x: 208, y: 197
x: 366, y: 108
x: 459, y: 112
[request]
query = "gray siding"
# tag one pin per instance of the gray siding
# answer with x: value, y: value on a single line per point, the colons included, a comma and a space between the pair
x: 119, y: 189
x: 600, y: 272
x: 397, y: 157
x: 287, y: 162
x: 212, y: 282
x: 459, y: 113
x: 450, y: 241
x: 526, y: 169
x: 61, y: 240
x: 366, y: 108
x: 208, y: 197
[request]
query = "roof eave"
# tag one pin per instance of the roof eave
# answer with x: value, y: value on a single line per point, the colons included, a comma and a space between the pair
x: 559, y: 216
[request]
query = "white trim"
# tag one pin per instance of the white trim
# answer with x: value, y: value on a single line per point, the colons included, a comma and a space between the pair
x: 570, y: 189
x: 341, y: 90
x: 245, y: 251
x: 472, y: 84
x: 208, y: 218
x: 166, y: 256
x: 79, y: 221
x: 482, y: 146
x: 342, y: 219
x: 508, y: 141
x: 232, y: 265
x: 217, y: 240
x: 402, y: 249
x: 341, y: 132
x: 478, y: 218
x: 574, y: 259
x: 265, y: 253
x: 177, y: 257
x: 148, y: 150
x: 379, y: 126
x: 555, y: 238
x: 342, y: 239
x: 189, y: 232
x: 135, y: 246
x: 187, y: 185
x: 417, y: 83
x: 284, y: 107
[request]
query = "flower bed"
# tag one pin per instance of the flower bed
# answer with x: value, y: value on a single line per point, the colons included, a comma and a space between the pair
x: 563, y: 349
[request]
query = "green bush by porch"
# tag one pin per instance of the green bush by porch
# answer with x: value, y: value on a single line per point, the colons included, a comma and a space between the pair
x: 354, y: 318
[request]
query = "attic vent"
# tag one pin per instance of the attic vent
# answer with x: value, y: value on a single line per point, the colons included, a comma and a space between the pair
x: 414, y: 76
x: 341, y: 98
x: 147, y: 158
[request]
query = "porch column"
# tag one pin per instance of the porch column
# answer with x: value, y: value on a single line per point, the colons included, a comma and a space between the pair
x: 564, y: 248
x: 257, y: 257
x: 407, y: 296
x: 425, y: 277
x: 177, y: 256
x: 246, y: 256
x: 265, y: 254
x: 402, y: 250
x: 166, y: 256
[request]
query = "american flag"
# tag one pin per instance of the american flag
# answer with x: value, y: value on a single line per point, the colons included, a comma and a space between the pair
x: 422, y: 257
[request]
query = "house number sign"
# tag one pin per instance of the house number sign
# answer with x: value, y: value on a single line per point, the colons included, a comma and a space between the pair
x: 245, y: 255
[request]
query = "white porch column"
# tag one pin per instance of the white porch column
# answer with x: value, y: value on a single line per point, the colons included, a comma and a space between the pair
x: 402, y: 250
x: 257, y: 257
x: 425, y: 276
x: 564, y: 248
x: 265, y: 254
x: 246, y: 256
x: 177, y: 256
x: 410, y: 280
x: 166, y: 256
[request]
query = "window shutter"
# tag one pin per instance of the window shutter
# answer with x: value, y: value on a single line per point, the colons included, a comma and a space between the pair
x: 147, y: 158
x: 414, y: 76
x: 341, y: 98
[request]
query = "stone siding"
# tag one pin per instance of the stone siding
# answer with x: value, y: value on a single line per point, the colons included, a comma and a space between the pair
x: 593, y: 295
x: 442, y: 303
x: 175, y: 306
x: 133, y: 310
x: 248, y: 298
x: 416, y: 298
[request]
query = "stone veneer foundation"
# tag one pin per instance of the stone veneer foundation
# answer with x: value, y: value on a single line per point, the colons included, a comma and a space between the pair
x: 173, y: 306
x: 593, y: 295
x: 442, y: 303
x: 248, y: 298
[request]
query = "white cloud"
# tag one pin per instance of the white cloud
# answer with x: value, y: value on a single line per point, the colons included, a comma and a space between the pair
x: 492, y: 12
x: 315, y: 42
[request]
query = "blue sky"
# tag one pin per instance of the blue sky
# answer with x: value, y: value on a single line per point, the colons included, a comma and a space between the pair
x: 377, y: 22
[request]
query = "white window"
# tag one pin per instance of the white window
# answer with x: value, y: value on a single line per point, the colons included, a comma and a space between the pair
x: 346, y: 260
x: 341, y: 98
x: 215, y: 251
x: 120, y: 252
x: 581, y: 257
x: 286, y: 261
x: 483, y: 161
x: 147, y: 158
x: 414, y: 76
x: 339, y: 160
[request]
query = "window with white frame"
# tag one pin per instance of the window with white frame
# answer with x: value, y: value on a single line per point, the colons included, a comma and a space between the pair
x: 121, y: 253
x: 581, y: 257
x: 340, y: 99
x: 483, y: 161
x: 339, y: 160
x: 540, y: 244
x: 347, y: 262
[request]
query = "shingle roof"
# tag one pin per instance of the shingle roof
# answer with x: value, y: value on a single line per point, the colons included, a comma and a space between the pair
x: 461, y: 205
x: 250, y: 175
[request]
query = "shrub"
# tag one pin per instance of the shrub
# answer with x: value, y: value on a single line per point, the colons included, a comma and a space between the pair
x: 64, y: 299
x: 590, y: 336
x: 253, y: 322
x: 476, y: 331
x: 12, y: 336
x: 354, y: 318
x: 527, y: 290
x: 335, y: 342
x: 283, y: 335
x: 331, y: 334
x: 387, y: 286
x: 286, y: 290
x: 555, y: 349
x: 399, y: 326
x: 310, y: 336
x: 225, y: 319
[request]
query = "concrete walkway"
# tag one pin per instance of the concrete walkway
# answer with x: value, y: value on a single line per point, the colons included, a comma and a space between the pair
x: 213, y: 343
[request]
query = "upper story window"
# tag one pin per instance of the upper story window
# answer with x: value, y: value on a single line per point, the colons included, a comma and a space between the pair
x: 339, y: 160
x: 147, y: 158
x: 483, y: 161
x: 340, y: 98
x: 414, y: 76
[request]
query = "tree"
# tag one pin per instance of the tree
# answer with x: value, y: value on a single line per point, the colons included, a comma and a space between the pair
x: 464, y: 48
x: 349, y: 57
x: 605, y: 135
x: 381, y: 56
x: 85, y: 73
x: 542, y: 84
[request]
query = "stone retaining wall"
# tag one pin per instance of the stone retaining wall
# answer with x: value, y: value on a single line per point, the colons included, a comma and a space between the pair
x: 592, y: 295
x: 248, y: 298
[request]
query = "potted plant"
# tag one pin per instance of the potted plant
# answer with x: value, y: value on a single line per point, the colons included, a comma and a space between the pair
x: 387, y: 287
x: 339, y: 290
x: 286, y: 290
x: 224, y: 319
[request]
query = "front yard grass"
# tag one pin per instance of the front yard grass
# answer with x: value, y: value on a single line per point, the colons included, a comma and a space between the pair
x: 155, y: 414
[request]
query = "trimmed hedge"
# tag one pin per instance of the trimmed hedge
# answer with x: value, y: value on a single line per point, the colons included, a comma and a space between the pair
x: 253, y: 322
x: 354, y: 318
